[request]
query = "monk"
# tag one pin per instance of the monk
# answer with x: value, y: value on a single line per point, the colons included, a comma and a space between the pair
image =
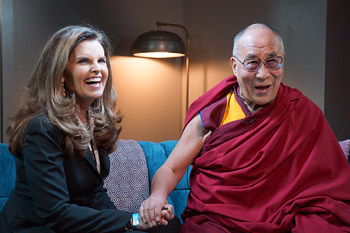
x: 264, y: 157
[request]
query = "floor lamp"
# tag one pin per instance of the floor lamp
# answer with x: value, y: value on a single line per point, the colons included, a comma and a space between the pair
x: 164, y: 44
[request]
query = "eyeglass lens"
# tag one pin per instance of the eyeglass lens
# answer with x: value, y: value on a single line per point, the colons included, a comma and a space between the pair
x: 253, y: 65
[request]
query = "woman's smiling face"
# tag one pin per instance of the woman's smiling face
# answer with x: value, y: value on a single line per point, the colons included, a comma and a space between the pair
x: 86, y: 72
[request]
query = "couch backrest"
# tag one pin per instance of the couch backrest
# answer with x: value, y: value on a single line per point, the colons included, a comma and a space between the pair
x: 133, y: 165
x: 156, y: 155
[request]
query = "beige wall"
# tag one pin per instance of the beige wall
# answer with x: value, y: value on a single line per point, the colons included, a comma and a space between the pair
x: 149, y: 97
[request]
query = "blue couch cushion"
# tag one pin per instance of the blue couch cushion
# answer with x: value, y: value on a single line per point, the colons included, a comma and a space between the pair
x: 8, y: 173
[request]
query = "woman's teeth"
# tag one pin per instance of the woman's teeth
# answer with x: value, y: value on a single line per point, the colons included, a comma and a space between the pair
x: 92, y: 80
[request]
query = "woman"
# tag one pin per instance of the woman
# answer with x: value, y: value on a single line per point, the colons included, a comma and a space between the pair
x: 61, y: 136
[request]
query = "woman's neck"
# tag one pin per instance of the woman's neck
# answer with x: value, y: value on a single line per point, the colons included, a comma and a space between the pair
x: 82, y: 115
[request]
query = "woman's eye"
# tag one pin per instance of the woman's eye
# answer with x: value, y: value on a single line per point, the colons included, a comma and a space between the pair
x: 102, y: 61
x: 81, y: 61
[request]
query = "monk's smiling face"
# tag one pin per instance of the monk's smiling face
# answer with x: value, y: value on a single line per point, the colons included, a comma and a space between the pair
x: 261, y: 86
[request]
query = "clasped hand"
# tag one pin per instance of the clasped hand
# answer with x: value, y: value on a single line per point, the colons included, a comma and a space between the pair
x: 155, y: 211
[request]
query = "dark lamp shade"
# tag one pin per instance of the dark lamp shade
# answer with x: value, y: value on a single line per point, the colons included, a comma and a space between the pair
x: 158, y: 44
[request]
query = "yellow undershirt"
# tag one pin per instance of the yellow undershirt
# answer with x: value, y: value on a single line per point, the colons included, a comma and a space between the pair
x: 233, y: 110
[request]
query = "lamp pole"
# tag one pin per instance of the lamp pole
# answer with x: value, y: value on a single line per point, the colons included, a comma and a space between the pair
x: 159, y: 24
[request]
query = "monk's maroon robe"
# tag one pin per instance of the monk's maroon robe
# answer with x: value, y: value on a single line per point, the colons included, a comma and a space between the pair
x: 281, y: 169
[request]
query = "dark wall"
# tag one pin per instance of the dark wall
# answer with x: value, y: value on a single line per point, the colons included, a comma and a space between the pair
x: 337, y: 84
x: 302, y: 24
x: 316, y: 61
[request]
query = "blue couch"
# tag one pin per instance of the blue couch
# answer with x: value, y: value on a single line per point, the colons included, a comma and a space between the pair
x: 129, y: 153
x: 133, y: 166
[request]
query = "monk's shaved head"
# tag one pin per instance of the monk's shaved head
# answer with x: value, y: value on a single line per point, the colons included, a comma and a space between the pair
x: 256, y: 26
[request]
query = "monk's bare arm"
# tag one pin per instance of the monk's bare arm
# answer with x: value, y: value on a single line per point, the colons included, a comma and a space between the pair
x: 168, y: 175
x: 180, y: 159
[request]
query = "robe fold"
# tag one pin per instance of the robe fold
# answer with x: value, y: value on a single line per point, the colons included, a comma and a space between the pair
x: 280, y: 169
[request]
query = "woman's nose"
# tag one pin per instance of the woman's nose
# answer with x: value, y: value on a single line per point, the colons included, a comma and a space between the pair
x: 95, y: 67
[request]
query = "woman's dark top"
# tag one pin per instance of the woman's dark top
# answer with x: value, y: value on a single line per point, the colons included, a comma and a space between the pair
x: 54, y: 190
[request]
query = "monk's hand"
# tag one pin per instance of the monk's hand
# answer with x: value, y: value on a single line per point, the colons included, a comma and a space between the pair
x: 151, y: 212
x: 167, y: 214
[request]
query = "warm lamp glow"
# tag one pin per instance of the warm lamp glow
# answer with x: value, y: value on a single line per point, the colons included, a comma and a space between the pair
x: 159, y: 54
x: 163, y: 44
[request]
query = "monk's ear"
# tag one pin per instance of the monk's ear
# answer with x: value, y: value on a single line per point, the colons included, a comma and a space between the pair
x: 234, y: 65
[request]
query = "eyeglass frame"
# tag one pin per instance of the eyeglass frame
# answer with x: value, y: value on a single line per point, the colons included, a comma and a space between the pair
x: 260, y: 62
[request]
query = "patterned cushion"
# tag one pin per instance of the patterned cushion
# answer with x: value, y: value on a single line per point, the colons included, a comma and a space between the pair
x: 345, y: 145
x: 128, y: 181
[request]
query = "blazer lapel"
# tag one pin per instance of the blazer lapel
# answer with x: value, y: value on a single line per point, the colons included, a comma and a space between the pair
x: 91, y: 160
x: 104, y: 161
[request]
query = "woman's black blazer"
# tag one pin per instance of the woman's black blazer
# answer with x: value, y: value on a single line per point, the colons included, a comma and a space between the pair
x: 53, y: 190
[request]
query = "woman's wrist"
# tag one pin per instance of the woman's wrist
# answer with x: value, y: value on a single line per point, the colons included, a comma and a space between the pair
x: 134, y: 223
